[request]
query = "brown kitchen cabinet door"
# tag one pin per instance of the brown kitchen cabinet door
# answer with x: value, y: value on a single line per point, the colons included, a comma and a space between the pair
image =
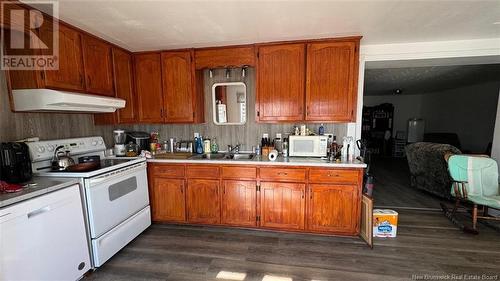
x: 148, y: 87
x: 203, y: 203
x: 239, y: 203
x: 168, y: 202
x: 282, y: 205
x: 331, y: 80
x: 69, y: 76
x: 333, y: 208
x: 124, y: 87
x: 280, y: 83
x: 178, y: 87
x: 98, y: 66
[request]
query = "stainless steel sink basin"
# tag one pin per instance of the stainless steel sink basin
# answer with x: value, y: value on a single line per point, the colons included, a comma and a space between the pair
x: 241, y: 156
x: 209, y: 156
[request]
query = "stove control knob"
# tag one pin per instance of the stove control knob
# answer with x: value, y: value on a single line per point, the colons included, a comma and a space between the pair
x: 51, y: 147
x: 94, y: 143
x: 101, y: 142
x: 41, y: 149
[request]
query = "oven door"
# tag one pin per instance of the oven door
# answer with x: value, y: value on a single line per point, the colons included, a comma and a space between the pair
x: 115, y: 196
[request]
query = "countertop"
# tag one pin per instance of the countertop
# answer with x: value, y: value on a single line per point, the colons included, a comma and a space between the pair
x: 43, y: 186
x: 258, y: 160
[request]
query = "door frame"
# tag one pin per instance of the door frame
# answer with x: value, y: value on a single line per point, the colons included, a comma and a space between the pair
x: 477, y: 51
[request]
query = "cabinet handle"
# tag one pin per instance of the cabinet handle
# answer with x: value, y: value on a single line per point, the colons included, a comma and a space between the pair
x: 311, y: 195
x: 38, y: 212
x: 182, y: 188
x: 302, y: 194
x: 282, y: 174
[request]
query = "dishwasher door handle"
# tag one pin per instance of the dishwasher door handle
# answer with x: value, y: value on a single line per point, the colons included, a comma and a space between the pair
x: 38, y: 212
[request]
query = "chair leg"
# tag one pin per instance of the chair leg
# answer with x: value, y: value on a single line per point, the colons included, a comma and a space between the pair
x: 457, y: 203
x: 485, y: 211
x: 474, y: 217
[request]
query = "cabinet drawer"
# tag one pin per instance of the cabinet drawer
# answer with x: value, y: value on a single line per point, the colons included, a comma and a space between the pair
x: 202, y: 172
x: 170, y: 171
x: 283, y: 174
x: 239, y: 172
x: 333, y: 176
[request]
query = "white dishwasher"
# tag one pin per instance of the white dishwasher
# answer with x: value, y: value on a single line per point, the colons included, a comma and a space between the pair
x: 44, y: 238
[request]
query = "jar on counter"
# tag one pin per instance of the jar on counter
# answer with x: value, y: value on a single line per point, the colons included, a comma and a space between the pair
x: 206, y: 145
x: 131, y: 150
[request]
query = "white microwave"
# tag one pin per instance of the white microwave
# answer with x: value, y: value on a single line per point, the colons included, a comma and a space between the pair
x: 308, y: 146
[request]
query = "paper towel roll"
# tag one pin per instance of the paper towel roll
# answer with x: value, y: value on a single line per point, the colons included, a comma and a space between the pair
x: 273, y: 155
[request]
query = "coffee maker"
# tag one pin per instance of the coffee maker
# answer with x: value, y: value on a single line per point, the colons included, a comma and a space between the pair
x: 15, y: 163
x: 119, y: 137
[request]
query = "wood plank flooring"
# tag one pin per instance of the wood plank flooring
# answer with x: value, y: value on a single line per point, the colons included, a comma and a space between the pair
x: 427, y: 243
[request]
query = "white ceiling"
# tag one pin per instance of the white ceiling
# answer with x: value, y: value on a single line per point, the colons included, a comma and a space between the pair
x: 140, y: 25
x: 430, y: 79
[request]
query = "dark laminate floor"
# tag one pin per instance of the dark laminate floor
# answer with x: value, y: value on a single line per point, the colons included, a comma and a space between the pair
x: 427, y: 243
x: 392, y: 186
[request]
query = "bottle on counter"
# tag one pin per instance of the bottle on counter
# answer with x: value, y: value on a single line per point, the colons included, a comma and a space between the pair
x: 285, y: 148
x: 198, y: 144
x: 207, y: 147
x: 321, y: 129
x: 214, y: 148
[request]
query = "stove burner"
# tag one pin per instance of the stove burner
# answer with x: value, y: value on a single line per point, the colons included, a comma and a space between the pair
x: 9, y: 187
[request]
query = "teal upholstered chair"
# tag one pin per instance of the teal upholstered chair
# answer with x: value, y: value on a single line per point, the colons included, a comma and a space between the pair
x: 475, y: 179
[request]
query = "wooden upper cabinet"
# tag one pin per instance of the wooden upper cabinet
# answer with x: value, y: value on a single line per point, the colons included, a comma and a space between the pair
x: 168, y: 200
x: 203, y: 203
x: 282, y: 205
x: 232, y: 56
x: 98, y: 66
x: 280, y: 83
x: 334, y: 208
x: 149, y: 87
x: 124, y: 87
x: 331, y: 81
x: 239, y: 205
x: 178, y: 87
x: 70, y: 73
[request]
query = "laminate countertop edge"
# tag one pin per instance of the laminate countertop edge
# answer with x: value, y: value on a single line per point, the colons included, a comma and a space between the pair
x: 43, y: 186
x: 312, y: 162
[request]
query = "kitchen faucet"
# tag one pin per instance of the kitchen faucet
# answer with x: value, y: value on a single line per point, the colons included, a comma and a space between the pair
x: 235, y: 148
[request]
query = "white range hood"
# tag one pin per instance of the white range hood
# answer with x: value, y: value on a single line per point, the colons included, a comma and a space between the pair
x: 46, y: 100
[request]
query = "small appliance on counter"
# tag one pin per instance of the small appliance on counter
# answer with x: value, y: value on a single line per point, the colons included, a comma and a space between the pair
x: 119, y: 136
x: 15, y: 163
x: 139, y: 138
x: 308, y: 146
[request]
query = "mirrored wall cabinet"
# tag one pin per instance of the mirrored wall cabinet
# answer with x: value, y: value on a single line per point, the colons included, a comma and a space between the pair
x: 229, y: 100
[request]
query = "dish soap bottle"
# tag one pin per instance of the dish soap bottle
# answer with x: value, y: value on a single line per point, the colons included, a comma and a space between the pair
x: 198, y: 144
x: 215, y: 147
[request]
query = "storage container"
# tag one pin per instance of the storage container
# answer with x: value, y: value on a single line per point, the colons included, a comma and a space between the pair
x: 385, y: 223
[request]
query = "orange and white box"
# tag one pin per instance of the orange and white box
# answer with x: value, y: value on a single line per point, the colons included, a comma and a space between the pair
x: 385, y: 223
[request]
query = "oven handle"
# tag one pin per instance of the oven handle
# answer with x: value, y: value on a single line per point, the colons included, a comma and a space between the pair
x: 122, y: 171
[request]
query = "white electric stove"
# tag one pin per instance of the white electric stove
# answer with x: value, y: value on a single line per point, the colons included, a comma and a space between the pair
x: 115, y: 194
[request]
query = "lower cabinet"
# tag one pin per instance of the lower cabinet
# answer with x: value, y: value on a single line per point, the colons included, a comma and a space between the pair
x: 333, y: 208
x: 316, y: 200
x: 239, y: 203
x: 168, y: 200
x: 203, y: 203
x: 282, y: 205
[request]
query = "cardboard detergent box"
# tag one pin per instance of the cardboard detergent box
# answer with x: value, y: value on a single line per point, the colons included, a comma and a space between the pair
x: 385, y: 223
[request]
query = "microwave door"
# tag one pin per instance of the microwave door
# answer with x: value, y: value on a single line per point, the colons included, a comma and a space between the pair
x: 304, y: 147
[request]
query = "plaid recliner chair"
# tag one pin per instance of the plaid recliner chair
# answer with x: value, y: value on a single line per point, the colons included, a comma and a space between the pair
x: 428, y: 168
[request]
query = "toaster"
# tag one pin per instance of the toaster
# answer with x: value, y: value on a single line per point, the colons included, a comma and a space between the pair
x: 15, y: 162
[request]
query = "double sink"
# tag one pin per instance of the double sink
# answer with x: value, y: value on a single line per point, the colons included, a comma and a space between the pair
x: 223, y: 156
